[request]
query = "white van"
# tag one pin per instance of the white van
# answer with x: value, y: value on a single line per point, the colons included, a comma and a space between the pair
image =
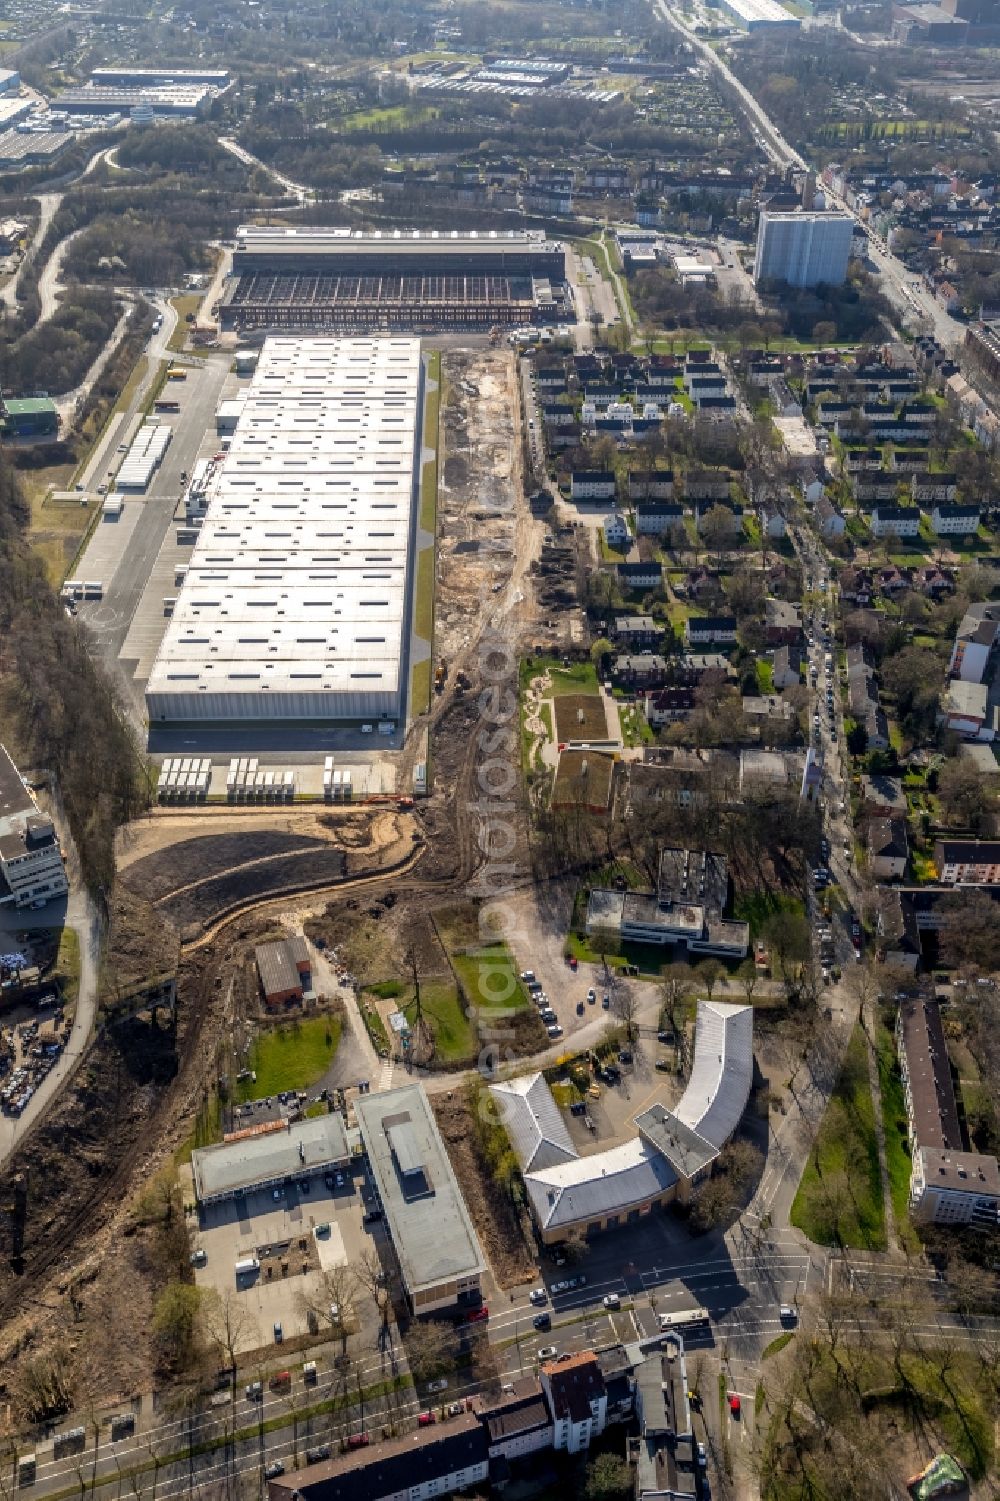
x: 367, y: 729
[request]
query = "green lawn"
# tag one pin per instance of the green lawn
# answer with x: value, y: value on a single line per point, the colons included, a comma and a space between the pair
x: 489, y: 978
x: 444, y: 1013
x: 66, y: 969
x: 757, y: 907
x: 897, y: 1142
x: 429, y: 472
x: 423, y: 606
x: 765, y: 675
x: 777, y: 1345
x: 579, y: 677
x: 420, y: 686
x: 293, y: 1055
x: 839, y: 1201
x: 188, y: 302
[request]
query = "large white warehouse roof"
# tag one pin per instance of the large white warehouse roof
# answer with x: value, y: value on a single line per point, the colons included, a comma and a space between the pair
x: 296, y: 599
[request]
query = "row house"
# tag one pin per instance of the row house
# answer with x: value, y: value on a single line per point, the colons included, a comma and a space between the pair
x: 927, y: 486
x: 908, y: 460
x: 707, y: 484
x: 955, y: 520
x: 651, y: 484
x: 861, y: 460
x: 641, y: 632
x: 710, y: 630
x: 897, y: 521
x: 707, y: 507
x: 640, y: 575
x: 593, y: 484
x: 874, y: 485
x: 657, y: 518
x: 558, y: 414
x: 641, y: 670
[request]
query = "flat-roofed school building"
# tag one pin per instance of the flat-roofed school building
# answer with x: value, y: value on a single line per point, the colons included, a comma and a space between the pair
x: 296, y: 602
x: 440, y: 1259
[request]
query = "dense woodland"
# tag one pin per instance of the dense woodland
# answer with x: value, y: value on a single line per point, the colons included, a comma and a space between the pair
x: 57, y: 706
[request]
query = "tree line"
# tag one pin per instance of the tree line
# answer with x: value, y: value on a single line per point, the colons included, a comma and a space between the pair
x: 59, y: 708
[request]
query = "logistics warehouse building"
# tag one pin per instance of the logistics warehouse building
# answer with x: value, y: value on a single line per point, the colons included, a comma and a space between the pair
x: 291, y: 277
x: 296, y: 602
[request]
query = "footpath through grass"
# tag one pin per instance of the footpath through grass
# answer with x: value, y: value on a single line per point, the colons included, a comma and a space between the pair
x: 293, y: 1055
x: 839, y: 1202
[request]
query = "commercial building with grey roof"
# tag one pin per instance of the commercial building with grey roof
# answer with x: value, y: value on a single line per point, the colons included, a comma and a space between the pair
x: 31, y: 863
x: 671, y: 1152
x: 440, y: 1258
x: 268, y: 1156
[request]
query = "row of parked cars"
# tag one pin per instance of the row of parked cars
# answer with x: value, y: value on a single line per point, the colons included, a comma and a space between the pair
x: 534, y: 988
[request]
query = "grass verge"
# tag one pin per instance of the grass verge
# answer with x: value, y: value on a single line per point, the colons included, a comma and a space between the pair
x: 67, y: 966
x: 897, y: 1141
x: 839, y: 1200
x: 423, y: 604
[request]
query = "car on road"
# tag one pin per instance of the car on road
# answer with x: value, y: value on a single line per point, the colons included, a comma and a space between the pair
x: 537, y: 1295
x: 542, y: 1321
x: 440, y: 1385
x: 354, y: 1441
x: 580, y: 1008
x: 663, y: 1066
x: 606, y: 1002
x: 554, y: 1029
x: 787, y: 1314
x: 559, y: 1287
x: 577, y: 1282
x: 454, y: 1408
x: 695, y: 1399
x: 611, y: 1300
x: 478, y: 1315
x: 279, y: 1334
x: 255, y: 1391
x: 591, y: 996
x: 425, y: 1419
x: 274, y: 1469
x: 322, y: 1451
x: 548, y: 1352
x: 735, y: 1406
x: 198, y: 1258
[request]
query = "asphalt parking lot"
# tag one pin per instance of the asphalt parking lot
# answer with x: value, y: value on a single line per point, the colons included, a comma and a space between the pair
x: 284, y: 1236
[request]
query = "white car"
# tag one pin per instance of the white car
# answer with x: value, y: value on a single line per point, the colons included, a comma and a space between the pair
x: 548, y: 1352
x: 537, y: 1295
x: 440, y: 1385
x: 612, y: 1300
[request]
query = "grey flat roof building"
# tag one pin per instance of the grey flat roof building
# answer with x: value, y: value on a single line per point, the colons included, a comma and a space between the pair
x: 437, y: 1247
x: 289, y: 248
x: 295, y: 1150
